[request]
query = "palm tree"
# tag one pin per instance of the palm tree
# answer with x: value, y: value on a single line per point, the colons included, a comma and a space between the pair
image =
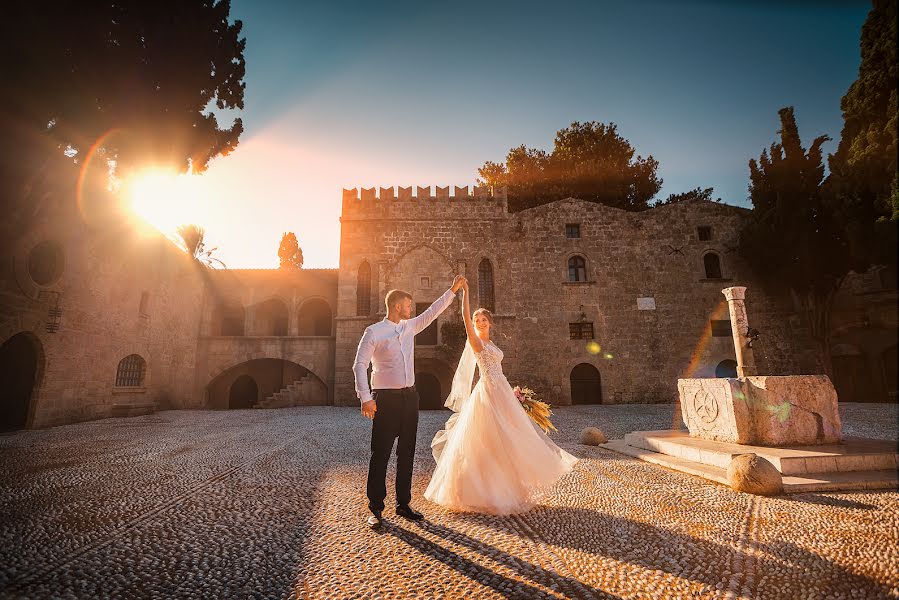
x: 192, y: 238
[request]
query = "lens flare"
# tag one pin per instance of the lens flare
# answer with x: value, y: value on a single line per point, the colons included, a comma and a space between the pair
x: 166, y: 200
x: 699, y: 351
x: 593, y: 348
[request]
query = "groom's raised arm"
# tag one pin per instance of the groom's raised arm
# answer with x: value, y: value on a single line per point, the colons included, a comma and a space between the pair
x: 360, y: 366
x: 419, y: 323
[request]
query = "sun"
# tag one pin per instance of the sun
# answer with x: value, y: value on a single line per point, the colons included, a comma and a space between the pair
x: 165, y: 200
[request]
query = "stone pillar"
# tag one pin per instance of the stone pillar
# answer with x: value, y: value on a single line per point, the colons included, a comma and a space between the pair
x: 740, y: 326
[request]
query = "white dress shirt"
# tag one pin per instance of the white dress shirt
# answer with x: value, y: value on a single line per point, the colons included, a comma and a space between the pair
x: 390, y: 348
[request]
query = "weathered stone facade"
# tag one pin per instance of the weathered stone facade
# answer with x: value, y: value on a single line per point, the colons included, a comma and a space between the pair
x: 652, y: 260
x: 113, y: 318
x: 83, y: 290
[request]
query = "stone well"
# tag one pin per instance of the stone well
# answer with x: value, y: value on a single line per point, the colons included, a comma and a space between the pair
x: 762, y: 410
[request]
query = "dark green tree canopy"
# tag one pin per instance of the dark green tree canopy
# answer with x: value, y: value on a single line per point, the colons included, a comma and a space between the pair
x: 792, y: 239
x: 289, y: 253
x: 134, y: 78
x: 589, y: 161
x: 697, y: 193
x: 863, y: 183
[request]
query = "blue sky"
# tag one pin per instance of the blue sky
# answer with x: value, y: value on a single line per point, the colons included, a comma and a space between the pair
x: 343, y: 94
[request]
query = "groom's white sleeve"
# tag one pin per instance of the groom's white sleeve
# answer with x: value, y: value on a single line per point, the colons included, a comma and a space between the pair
x: 419, y: 323
x: 360, y: 366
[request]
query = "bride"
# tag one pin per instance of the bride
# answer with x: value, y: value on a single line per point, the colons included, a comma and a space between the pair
x: 491, y: 458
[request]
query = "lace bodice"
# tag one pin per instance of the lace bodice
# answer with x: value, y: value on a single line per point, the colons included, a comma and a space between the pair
x: 490, y: 361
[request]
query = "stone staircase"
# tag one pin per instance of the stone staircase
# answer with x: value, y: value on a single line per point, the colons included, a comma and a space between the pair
x: 853, y: 464
x: 293, y: 394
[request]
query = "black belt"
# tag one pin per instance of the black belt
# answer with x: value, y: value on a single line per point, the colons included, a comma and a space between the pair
x: 405, y: 389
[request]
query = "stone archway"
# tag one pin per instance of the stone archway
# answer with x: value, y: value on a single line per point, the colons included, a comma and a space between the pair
x: 244, y: 393
x: 430, y: 396
x: 278, y: 382
x: 20, y: 358
x: 586, y: 385
x: 315, y: 318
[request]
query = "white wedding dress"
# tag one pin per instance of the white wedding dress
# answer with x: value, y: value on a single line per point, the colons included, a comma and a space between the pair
x: 491, y: 458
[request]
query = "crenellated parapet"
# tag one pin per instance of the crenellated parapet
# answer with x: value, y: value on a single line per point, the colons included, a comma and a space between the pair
x: 424, y: 202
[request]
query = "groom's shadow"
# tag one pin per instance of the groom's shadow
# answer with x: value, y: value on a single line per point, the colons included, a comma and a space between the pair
x: 509, y: 588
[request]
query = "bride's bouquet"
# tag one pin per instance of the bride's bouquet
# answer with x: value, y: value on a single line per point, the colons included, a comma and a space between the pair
x: 537, y: 409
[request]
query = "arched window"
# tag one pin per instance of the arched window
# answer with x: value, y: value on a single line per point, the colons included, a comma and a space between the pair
x: 363, y: 290
x: 131, y: 371
x: 712, y: 264
x: 271, y: 318
x: 577, y: 269
x: 485, y: 285
x: 315, y: 318
x: 228, y: 320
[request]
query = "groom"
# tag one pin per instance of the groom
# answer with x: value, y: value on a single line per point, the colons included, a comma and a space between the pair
x: 392, y: 404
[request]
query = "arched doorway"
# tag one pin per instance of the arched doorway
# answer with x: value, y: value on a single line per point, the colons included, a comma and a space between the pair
x: 244, y: 392
x: 726, y: 369
x: 851, y: 376
x: 429, y: 393
x: 19, y: 358
x: 586, y: 387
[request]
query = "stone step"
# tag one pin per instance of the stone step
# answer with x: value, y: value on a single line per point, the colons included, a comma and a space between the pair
x: 710, y: 472
x: 854, y: 454
x: 793, y: 484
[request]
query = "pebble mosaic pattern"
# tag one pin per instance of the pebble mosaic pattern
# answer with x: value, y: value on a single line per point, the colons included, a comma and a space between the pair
x: 270, y: 504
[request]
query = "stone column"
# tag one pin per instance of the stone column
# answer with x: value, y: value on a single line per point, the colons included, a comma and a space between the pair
x: 739, y: 324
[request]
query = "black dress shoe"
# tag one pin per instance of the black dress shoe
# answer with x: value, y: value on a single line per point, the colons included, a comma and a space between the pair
x: 407, y: 512
x: 374, y: 520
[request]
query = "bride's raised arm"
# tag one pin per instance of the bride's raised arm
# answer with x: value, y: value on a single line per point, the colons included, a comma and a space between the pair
x: 476, y: 344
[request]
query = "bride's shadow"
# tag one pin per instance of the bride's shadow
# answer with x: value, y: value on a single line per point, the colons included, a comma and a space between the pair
x: 509, y: 588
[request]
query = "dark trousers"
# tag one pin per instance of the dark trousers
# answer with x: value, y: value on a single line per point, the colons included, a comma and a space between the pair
x: 396, y: 417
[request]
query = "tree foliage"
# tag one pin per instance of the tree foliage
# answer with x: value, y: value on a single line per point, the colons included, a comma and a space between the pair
x: 863, y: 184
x: 793, y: 240
x: 129, y: 80
x: 589, y: 161
x: 697, y: 193
x: 290, y: 254
x: 194, y: 239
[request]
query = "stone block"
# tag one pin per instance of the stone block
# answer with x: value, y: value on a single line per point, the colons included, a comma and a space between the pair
x: 762, y: 410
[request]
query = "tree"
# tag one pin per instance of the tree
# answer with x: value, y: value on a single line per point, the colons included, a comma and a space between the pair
x: 289, y: 252
x: 589, y: 161
x: 127, y: 81
x: 193, y: 237
x: 863, y: 185
x: 694, y: 194
x: 792, y: 240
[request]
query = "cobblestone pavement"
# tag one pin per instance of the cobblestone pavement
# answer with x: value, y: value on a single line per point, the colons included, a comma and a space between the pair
x: 270, y: 504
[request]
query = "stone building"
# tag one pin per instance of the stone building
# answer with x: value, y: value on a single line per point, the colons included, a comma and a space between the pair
x: 592, y: 303
x: 101, y: 316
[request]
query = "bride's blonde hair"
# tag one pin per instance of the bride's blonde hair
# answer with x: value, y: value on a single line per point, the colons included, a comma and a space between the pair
x: 485, y: 312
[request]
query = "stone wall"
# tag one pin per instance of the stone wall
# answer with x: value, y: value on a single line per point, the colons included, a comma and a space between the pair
x: 89, y: 288
x: 655, y: 255
x: 303, y: 296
